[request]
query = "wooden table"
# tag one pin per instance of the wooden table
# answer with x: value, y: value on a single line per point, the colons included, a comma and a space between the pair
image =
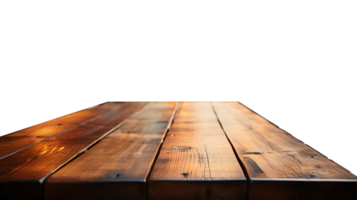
x: 166, y: 150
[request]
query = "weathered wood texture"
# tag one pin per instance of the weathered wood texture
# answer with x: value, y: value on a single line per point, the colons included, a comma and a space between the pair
x: 196, y: 160
x: 117, y: 167
x: 278, y: 165
x: 22, y: 174
x: 14, y: 142
x: 11, y: 145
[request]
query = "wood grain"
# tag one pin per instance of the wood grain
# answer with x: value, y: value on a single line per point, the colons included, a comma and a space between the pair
x: 11, y: 145
x: 14, y: 142
x: 280, y: 166
x: 116, y: 167
x: 196, y: 160
x: 22, y: 174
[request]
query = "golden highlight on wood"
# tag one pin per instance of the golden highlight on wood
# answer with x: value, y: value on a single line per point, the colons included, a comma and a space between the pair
x: 118, y: 165
x: 166, y: 150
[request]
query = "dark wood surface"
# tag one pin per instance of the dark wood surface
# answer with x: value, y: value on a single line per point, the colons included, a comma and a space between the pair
x: 166, y: 150
x: 278, y: 165
x: 26, y: 170
x: 117, y: 167
x: 196, y: 160
x: 14, y: 142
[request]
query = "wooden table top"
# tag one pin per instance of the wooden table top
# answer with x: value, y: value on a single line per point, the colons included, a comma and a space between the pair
x: 166, y: 150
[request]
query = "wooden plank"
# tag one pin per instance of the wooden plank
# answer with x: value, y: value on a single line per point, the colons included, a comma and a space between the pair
x: 11, y: 145
x: 22, y: 174
x: 14, y: 142
x: 117, y: 167
x: 196, y: 160
x: 278, y: 165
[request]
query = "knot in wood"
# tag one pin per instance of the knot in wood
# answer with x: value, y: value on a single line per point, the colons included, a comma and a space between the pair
x: 185, y: 174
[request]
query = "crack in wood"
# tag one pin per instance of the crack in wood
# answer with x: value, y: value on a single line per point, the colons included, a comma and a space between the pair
x: 209, y: 168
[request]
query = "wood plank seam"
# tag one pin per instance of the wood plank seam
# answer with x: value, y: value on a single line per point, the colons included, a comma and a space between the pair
x: 32, y: 183
x: 91, y: 145
x: 172, y: 119
x: 162, y: 141
x: 196, y: 161
x: 303, y: 173
x: 63, y: 131
x: 245, y: 171
x: 122, y: 171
